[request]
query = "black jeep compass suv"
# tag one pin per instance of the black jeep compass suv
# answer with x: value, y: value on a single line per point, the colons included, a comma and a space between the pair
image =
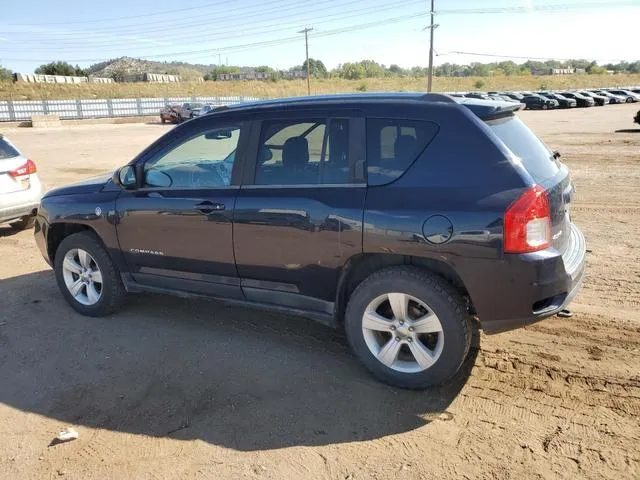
x: 397, y: 216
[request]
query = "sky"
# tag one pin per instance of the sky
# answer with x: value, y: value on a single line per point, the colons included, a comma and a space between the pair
x: 264, y: 32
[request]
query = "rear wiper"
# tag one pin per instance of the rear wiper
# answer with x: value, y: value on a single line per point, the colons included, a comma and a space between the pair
x: 556, y: 155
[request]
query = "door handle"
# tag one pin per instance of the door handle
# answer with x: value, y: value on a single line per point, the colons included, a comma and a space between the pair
x: 208, y: 207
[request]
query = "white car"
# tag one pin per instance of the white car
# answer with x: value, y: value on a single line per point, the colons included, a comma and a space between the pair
x: 20, y: 188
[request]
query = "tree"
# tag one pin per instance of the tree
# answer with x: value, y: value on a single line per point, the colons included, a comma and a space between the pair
x: 220, y: 69
x: 508, y: 67
x: 316, y: 68
x: 5, y: 74
x: 61, y: 68
x: 396, y: 70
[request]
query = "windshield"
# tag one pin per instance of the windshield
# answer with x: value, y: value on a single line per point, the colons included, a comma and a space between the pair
x: 7, y: 150
x: 535, y: 156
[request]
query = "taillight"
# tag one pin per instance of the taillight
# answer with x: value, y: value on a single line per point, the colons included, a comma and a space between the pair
x: 26, y: 169
x: 527, y: 222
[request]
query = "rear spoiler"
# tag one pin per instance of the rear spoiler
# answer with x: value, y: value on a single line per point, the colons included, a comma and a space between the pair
x: 484, y: 109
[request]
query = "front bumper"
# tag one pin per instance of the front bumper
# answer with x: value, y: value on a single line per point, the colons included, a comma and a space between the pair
x: 547, y: 284
x: 40, y: 232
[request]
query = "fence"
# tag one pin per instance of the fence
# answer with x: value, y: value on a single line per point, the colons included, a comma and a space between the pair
x: 12, y: 111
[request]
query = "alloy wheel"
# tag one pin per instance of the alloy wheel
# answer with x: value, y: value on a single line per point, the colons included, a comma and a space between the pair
x: 82, y: 276
x: 402, y: 332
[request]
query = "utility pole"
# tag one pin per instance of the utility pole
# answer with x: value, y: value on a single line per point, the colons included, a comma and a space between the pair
x: 306, y: 45
x: 432, y: 27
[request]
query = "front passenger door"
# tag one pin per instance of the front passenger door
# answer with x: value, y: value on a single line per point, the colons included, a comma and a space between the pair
x: 176, y: 232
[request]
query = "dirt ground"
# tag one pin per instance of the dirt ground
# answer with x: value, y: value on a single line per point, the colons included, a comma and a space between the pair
x: 170, y: 388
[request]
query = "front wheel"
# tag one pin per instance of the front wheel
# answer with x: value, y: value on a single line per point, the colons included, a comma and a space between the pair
x: 545, y: 106
x: 629, y: 100
x: 409, y: 327
x: 87, y: 277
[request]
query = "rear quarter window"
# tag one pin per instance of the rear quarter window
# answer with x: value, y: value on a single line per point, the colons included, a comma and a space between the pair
x: 393, y: 145
x: 536, y: 157
x: 7, y: 150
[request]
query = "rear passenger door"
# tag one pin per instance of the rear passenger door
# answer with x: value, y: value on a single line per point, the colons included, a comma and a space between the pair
x: 298, y: 215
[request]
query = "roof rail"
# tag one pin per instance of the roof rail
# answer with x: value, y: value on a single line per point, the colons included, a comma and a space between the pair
x: 437, y: 97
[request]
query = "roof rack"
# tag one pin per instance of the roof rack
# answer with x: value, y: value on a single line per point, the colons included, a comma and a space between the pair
x: 437, y: 97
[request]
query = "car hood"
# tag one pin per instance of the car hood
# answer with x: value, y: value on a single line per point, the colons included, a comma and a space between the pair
x: 90, y: 185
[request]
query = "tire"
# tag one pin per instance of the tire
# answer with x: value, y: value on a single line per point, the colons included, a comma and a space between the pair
x: 163, y: 120
x: 110, y: 291
x: 629, y: 100
x: 447, y: 348
x: 24, y: 223
x: 545, y: 106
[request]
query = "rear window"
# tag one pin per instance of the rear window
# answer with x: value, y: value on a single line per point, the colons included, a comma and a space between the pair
x: 393, y: 145
x: 7, y: 150
x: 536, y: 157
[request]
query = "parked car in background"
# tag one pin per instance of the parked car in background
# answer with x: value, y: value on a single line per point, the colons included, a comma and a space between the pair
x: 333, y: 207
x: 538, y: 102
x: 513, y: 95
x: 177, y: 113
x: 20, y: 188
x: 477, y: 95
x: 599, y: 99
x: 613, y: 99
x: 185, y: 112
x: 206, y: 108
x: 563, y: 101
x: 169, y: 113
x: 501, y: 98
x: 581, y: 99
x: 629, y: 96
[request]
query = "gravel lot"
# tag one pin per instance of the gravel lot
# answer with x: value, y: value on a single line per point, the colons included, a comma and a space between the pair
x: 171, y: 388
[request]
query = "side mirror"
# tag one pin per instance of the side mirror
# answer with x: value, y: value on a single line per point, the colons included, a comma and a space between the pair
x: 125, y: 177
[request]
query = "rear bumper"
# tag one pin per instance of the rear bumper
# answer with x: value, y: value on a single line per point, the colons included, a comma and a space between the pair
x: 15, y: 212
x: 543, y: 284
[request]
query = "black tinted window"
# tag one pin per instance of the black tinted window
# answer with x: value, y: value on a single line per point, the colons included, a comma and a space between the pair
x: 304, y: 152
x: 7, y: 150
x: 536, y: 157
x: 393, y: 145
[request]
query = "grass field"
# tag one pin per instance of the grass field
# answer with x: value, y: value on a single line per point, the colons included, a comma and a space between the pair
x: 26, y: 91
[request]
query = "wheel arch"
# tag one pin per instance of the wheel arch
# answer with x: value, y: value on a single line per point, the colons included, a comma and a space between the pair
x: 360, y: 266
x: 57, y: 232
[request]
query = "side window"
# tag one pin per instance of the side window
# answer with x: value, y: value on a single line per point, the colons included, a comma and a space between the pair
x: 304, y: 152
x: 393, y: 145
x: 203, y: 161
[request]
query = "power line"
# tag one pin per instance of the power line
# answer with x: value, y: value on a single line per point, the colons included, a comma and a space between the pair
x: 559, y: 7
x: 279, y: 41
x: 232, y: 15
x: 242, y: 31
x: 523, y: 57
x: 142, y: 15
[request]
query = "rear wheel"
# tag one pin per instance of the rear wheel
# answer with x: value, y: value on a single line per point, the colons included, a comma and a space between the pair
x: 25, y: 222
x: 629, y: 100
x: 87, y: 277
x: 545, y: 106
x: 409, y: 327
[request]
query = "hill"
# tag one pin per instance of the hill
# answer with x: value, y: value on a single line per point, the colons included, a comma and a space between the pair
x: 129, y: 66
